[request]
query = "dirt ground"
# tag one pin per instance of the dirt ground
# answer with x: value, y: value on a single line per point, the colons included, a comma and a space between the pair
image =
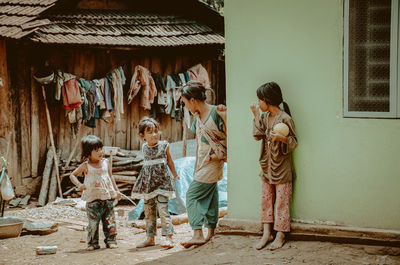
x: 222, y: 249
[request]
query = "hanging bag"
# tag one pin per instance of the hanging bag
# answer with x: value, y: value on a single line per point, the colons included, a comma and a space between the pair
x: 7, y: 191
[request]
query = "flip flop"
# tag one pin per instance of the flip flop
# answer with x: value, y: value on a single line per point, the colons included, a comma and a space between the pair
x: 189, y: 244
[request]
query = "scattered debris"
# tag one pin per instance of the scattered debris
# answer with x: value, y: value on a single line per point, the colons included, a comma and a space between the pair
x: 14, y: 202
x: 25, y: 200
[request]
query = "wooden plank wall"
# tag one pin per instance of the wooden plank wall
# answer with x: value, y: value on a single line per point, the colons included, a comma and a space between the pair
x: 30, y: 126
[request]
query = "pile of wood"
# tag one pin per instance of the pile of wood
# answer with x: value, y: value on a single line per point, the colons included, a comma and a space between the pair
x: 126, y: 165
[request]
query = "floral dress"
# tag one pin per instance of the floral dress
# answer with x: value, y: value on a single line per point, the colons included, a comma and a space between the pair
x: 155, y: 177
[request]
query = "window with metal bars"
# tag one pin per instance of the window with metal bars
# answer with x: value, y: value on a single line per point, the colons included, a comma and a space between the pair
x: 370, y: 59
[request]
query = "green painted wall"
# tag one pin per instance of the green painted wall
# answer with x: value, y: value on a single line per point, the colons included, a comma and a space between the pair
x: 348, y: 169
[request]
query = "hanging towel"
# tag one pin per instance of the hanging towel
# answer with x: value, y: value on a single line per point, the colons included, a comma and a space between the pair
x: 71, y: 95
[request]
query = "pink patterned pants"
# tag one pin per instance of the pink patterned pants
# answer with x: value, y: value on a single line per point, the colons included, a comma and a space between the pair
x: 278, y: 195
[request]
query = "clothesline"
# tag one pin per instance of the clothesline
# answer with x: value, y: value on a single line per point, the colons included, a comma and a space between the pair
x: 88, y: 100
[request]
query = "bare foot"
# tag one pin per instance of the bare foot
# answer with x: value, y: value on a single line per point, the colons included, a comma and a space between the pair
x: 193, y: 242
x: 147, y: 243
x: 263, y: 241
x: 278, y: 242
x: 210, y: 234
x: 197, y: 239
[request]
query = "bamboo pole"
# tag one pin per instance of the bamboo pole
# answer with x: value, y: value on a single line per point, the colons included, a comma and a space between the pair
x: 53, y: 148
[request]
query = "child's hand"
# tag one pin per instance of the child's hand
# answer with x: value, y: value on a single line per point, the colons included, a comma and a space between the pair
x: 221, y: 110
x: 82, y: 187
x: 255, y: 109
x: 277, y: 137
x: 176, y: 177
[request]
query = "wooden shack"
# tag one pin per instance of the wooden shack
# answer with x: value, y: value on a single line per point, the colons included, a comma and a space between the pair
x: 88, y: 38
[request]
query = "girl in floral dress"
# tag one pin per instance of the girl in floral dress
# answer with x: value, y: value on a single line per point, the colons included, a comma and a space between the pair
x: 154, y: 183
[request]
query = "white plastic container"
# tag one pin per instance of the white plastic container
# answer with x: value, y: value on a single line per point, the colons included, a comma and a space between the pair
x: 44, y: 250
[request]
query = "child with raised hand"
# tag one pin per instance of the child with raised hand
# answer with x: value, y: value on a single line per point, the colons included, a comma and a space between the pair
x: 154, y: 183
x: 99, y: 191
x: 277, y: 171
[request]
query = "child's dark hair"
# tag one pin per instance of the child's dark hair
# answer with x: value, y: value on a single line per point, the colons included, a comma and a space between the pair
x: 146, y: 123
x: 194, y: 89
x: 88, y: 144
x: 271, y: 94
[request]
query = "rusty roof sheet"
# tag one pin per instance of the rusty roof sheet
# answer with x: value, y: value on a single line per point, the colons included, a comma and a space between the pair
x: 123, y: 28
x: 14, y: 20
x: 29, y: 2
x: 14, y: 14
x: 22, y: 10
x: 136, y: 41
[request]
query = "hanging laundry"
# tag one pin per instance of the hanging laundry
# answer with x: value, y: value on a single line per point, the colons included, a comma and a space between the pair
x: 183, y: 79
x: 142, y: 79
x: 71, y: 94
x: 177, y: 80
x: 109, y: 78
x: 90, y: 103
x: 108, y: 94
x: 187, y: 78
x: 90, y: 122
x: 170, y: 88
x: 121, y: 72
x: 118, y: 93
x: 159, y: 104
x: 75, y: 118
x: 100, y: 93
x: 199, y: 73
x: 60, y: 78
x: 84, y: 84
x: 159, y: 82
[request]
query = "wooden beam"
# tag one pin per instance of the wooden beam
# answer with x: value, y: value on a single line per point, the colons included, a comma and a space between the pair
x: 35, y: 137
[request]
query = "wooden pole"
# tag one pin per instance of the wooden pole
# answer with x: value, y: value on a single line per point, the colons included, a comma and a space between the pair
x: 52, y: 142
x: 35, y: 139
x: 45, y: 179
x: 78, y: 140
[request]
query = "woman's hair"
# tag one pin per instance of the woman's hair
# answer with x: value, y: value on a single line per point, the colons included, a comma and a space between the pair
x: 271, y: 94
x: 146, y: 123
x: 194, y: 89
x: 88, y: 144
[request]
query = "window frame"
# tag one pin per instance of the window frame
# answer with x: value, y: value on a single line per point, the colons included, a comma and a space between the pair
x: 394, y: 94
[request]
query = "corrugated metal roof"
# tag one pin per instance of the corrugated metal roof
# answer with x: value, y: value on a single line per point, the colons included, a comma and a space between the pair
x: 15, y: 13
x: 138, y: 41
x: 124, y: 28
x: 29, y: 2
x: 101, y: 27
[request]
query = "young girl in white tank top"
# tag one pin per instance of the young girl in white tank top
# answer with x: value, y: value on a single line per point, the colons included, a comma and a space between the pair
x: 99, y: 191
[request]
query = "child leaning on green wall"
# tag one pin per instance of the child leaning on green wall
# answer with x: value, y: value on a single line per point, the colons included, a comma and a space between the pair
x: 275, y: 128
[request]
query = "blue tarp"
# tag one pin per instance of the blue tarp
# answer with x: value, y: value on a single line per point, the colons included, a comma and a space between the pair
x: 184, y: 167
